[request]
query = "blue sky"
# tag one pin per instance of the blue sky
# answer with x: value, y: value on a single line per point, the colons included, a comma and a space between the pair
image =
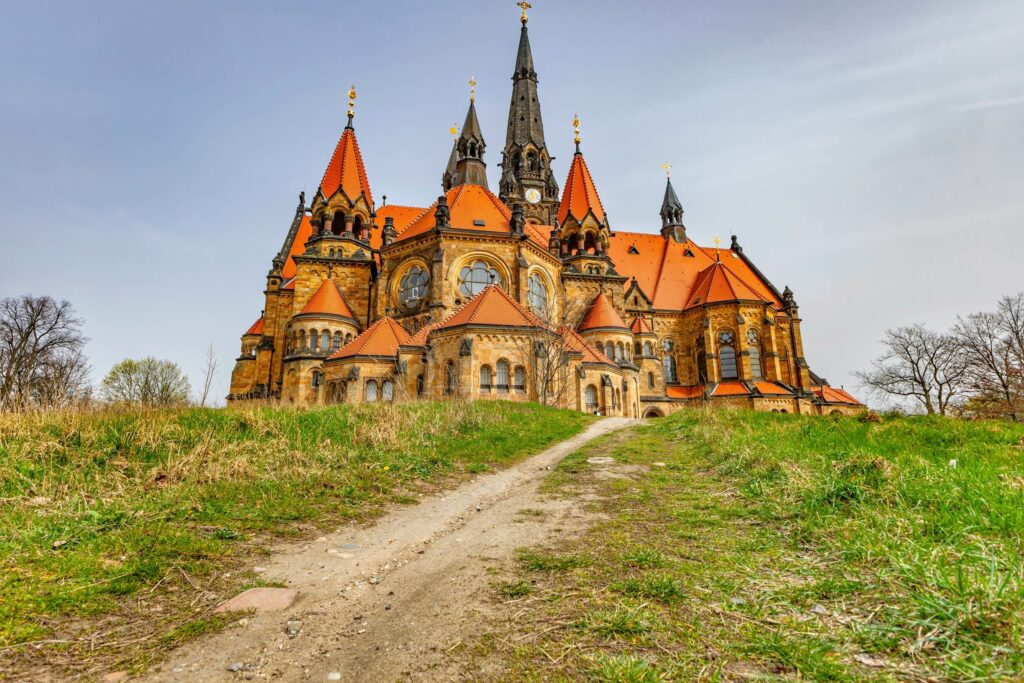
x: 868, y: 154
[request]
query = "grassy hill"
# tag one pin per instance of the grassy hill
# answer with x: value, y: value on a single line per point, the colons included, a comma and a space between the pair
x: 113, y: 523
x: 744, y: 546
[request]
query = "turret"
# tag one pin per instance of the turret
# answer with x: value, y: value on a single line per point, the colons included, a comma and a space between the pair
x: 672, y: 214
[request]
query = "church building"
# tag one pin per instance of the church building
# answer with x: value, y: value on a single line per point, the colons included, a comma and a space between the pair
x: 526, y: 294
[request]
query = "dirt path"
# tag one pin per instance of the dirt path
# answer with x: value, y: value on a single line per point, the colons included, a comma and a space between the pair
x: 390, y: 601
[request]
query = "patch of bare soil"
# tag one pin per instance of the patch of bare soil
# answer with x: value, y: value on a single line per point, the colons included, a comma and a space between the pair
x: 393, y: 600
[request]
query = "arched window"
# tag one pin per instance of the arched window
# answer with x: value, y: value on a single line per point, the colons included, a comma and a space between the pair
x: 325, y: 340
x: 591, y: 398
x: 449, y: 379
x: 388, y: 390
x: 519, y: 378
x: 648, y: 351
x: 412, y: 288
x: 337, y: 341
x: 754, y: 349
x: 668, y: 348
x: 589, y: 243
x: 531, y: 162
x: 537, y: 294
x: 333, y: 392
x: 302, y: 340
x: 420, y: 386
x: 727, y: 356
x: 502, y: 375
x: 357, y: 225
x: 371, y: 391
x: 317, y: 378
x: 620, y: 353
x: 599, y: 346
x: 348, y: 338
x: 650, y: 380
x: 474, y: 278
x: 485, y: 377
x: 702, y: 361
x: 314, y: 340
x: 338, y: 224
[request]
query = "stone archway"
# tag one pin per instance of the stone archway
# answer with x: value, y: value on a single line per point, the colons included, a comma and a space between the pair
x: 653, y: 413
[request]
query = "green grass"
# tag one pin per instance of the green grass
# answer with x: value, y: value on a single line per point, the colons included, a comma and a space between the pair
x: 783, y: 547
x: 97, y: 508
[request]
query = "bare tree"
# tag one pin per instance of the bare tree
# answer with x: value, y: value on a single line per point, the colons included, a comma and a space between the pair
x: 919, y: 364
x: 148, y: 382
x: 991, y: 342
x: 209, y: 371
x: 41, y: 361
x: 548, y: 353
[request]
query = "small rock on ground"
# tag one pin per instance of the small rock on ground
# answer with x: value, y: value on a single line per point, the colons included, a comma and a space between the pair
x: 261, y: 600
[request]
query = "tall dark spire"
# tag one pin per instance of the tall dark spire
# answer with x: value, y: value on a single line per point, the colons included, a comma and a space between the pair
x: 672, y: 215
x: 526, y: 163
x: 467, y: 155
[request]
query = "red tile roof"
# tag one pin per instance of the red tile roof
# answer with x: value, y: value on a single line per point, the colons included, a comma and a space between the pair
x: 640, y: 326
x: 380, y: 339
x: 346, y: 171
x: 833, y: 395
x: 575, y: 342
x: 601, y: 314
x: 685, y: 392
x: 580, y: 194
x: 257, y: 327
x: 289, y: 285
x: 467, y: 205
x: 298, y: 246
x: 730, y: 389
x: 327, y: 300
x: 667, y: 275
x: 772, y: 389
x: 493, y: 306
x: 717, y: 283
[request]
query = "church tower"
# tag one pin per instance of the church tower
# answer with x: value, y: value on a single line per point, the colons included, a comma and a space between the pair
x: 526, y: 176
x: 466, y: 165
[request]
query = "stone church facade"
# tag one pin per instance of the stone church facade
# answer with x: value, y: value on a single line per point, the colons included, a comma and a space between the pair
x: 529, y: 294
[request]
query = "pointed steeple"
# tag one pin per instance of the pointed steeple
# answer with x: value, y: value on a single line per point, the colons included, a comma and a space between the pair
x: 526, y: 163
x: 672, y: 215
x: 448, y: 178
x: 470, y: 168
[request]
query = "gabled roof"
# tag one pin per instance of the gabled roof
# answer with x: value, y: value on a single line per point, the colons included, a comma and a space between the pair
x: 468, y: 207
x: 493, y: 306
x: 730, y: 389
x: 717, y: 283
x: 380, y: 339
x: 833, y: 395
x: 257, y: 327
x: 640, y: 326
x: 664, y: 270
x: 580, y: 194
x: 575, y: 342
x: 327, y: 300
x: 601, y: 314
x: 346, y: 171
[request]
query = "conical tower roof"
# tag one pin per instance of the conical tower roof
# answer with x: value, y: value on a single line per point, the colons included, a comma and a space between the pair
x: 346, y: 171
x: 717, y: 283
x: 383, y: 338
x: 327, y: 300
x: 580, y: 194
x: 602, y: 315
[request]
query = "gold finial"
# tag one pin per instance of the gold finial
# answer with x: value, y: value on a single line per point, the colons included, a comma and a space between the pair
x: 576, y: 130
x: 523, y: 5
x: 351, y: 102
x: 668, y: 169
x: 718, y: 243
x: 472, y: 89
x: 454, y: 130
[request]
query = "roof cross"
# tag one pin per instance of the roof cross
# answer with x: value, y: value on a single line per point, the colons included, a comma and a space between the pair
x: 718, y: 243
x: 668, y: 169
x: 523, y: 5
x: 351, y: 102
x: 472, y: 89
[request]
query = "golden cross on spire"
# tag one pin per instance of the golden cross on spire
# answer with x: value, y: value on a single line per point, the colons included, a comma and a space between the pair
x: 718, y: 243
x: 352, y: 101
x: 576, y: 128
x: 523, y: 5
x: 454, y: 130
x: 472, y: 89
x: 668, y: 169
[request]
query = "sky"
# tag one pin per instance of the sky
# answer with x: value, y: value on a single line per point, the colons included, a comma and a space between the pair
x: 870, y: 154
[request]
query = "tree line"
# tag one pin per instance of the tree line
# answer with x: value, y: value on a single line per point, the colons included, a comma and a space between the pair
x: 43, y: 365
x: 975, y: 369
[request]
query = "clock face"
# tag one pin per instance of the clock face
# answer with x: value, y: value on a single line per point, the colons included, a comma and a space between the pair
x: 533, y: 196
